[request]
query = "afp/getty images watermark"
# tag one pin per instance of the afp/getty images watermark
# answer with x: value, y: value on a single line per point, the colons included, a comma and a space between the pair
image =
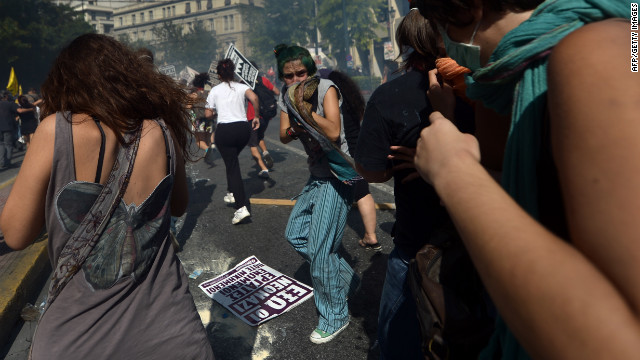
x: 634, y: 37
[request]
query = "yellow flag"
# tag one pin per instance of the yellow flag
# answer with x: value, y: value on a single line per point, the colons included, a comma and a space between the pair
x: 13, y: 86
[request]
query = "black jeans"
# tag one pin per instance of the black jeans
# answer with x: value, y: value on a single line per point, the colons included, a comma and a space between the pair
x: 6, y: 148
x: 230, y: 139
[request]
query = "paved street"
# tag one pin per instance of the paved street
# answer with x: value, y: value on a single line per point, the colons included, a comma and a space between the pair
x: 210, y: 243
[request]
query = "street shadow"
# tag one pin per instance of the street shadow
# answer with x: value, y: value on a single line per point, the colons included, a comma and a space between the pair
x: 387, y: 226
x: 4, y: 248
x: 229, y: 336
x: 278, y: 157
x: 354, y: 221
x: 200, y: 194
x: 365, y: 303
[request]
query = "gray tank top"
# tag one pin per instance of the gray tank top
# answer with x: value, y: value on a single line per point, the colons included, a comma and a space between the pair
x: 130, y: 299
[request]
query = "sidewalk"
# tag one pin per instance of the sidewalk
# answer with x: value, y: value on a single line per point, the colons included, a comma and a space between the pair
x: 20, y: 271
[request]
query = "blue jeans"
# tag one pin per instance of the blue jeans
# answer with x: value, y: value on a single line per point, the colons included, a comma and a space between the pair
x: 315, y: 229
x: 398, y: 326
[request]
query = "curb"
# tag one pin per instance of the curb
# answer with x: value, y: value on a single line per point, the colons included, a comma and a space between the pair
x: 21, y: 273
x: 17, y: 283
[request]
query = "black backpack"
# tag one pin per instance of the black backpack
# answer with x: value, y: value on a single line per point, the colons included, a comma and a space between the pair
x: 268, y: 105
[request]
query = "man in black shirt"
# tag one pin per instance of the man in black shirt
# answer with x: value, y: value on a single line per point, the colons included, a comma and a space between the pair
x: 396, y: 113
x: 9, y: 110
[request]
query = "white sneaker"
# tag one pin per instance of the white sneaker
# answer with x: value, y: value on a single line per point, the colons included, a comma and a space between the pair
x: 320, y: 337
x: 240, y: 215
x: 229, y: 199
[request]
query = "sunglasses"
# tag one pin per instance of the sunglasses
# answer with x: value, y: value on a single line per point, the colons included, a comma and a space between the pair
x: 300, y: 73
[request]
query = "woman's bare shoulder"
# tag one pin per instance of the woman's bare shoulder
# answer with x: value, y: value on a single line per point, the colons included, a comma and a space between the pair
x: 596, y: 60
x: 596, y: 46
x: 47, y: 125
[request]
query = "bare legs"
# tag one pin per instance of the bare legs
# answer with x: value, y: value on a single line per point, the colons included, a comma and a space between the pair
x: 367, y: 208
x: 258, y: 158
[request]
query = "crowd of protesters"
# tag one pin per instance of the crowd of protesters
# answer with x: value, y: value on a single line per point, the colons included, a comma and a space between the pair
x: 499, y: 144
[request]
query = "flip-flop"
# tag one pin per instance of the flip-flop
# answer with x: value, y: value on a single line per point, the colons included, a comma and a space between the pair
x: 374, y: 247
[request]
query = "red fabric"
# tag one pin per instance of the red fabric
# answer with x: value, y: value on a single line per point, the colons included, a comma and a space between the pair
x: 250, y: 112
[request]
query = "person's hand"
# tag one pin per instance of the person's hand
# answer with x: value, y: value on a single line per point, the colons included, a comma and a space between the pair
x: 297, y: 127
x: 255, y: 123
x: 441, y: 145
x: 441, y: 95
x: 405, y: 155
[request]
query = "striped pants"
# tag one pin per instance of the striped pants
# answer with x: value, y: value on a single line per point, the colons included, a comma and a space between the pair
x: 315, y: 229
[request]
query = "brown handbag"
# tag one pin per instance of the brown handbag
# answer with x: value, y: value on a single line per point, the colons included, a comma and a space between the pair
x: 455, y: 314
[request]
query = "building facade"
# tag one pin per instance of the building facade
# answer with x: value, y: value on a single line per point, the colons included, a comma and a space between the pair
x: 98, y: 13
x: 222, y: 17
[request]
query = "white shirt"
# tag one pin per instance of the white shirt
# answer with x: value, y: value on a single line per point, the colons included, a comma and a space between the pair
x: 228, y: 101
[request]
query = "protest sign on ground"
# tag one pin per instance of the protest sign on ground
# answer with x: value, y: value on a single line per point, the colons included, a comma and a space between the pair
x: 255, y: 292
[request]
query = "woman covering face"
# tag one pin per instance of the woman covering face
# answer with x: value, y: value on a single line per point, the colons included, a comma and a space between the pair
x: 310, y: 112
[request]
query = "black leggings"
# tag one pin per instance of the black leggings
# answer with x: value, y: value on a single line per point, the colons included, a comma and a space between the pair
x: 230, y: 139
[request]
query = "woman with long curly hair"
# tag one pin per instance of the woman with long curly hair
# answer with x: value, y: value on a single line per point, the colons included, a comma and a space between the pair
x: 227, y: 100
x: 104, y: 173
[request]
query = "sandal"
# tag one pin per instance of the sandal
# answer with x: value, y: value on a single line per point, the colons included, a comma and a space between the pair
x: 374, y: 247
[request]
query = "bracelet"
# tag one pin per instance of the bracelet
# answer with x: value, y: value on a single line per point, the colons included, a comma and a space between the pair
x: 291, y: 133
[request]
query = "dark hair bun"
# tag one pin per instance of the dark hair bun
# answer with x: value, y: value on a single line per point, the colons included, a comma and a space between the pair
x: 278, y: 49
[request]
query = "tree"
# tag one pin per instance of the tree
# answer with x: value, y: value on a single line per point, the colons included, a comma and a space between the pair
x: 196, y: 48
x: 200, y: 47
x: 278, y: 22
x: 361, y: 24
x: 32, y: 32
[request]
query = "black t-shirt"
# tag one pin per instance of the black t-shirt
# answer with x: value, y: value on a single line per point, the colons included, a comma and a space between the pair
x: 8, y: 113
x: 396, y: 113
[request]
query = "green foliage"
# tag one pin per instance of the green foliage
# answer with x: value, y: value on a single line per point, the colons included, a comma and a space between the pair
x: 361, y: 24
x: 288, y: 22
x: 294, y: 23
x: 200, y: 47
x: 32, y: 32
x: 195, y: 49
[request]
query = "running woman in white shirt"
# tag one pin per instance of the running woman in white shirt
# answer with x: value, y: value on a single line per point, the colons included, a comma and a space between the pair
x: 232, y: 133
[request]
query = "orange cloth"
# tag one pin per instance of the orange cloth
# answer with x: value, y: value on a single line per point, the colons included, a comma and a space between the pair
x: 453, y: 74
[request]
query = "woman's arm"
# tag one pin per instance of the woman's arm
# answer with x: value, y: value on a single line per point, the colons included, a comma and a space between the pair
x: 578, y: 300
x: 26, y: 110
x: 180, y: 192
x: 330, y: 123
x: 23, y: 218
x: 285, y: 124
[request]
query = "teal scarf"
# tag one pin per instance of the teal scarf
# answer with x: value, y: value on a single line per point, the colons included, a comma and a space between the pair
x: 515, y: 81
